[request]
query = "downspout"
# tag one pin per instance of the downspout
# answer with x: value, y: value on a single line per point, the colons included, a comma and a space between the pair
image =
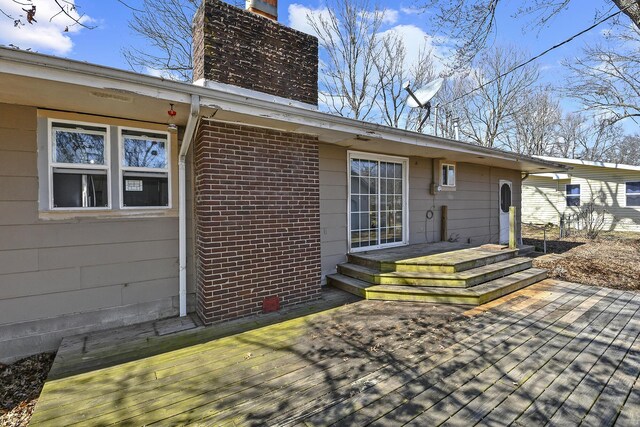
x: 189, y: 131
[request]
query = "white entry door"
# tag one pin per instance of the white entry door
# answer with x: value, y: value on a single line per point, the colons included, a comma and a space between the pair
x: 505, y: 204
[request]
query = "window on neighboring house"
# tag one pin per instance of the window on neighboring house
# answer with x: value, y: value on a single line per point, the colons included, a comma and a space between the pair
x: 144, y: 168
x: 573, y: 194
x: 633, y: 193
x: 448, y: 175
x: 79, y: 166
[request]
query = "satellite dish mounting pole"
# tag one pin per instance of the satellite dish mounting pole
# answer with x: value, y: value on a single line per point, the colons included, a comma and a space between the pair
x: 435, y: 121
x: 427, y: 107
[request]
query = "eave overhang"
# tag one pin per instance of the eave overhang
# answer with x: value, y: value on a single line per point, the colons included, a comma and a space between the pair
x: 50, y: 82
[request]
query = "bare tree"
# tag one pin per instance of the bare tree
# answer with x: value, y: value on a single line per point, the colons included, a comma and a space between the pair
x: 393, y: 71
x: 27, y: 12
x: 626, y: 151
x: 166, y: 26
x: 601, y: 141
x: 348, y: 36
x: 606, y: 79
x: 570, y: 134
x: 536, y: 125
x: 449, y: 105
x: 488, y: 113
x: 472, y: 23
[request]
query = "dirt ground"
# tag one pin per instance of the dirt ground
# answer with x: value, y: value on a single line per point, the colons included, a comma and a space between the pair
x: 612, y: 260
x: 20, y: 385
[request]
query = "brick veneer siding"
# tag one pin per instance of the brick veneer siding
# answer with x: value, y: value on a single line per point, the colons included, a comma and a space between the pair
x: 238, y: 47
x: 257, y: 215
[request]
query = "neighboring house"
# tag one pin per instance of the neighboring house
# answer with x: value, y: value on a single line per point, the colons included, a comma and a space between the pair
x: 615, y: 188
x: 108, y: 217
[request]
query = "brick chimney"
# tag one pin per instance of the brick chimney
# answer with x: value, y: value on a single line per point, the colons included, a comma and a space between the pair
x: 249, y: 49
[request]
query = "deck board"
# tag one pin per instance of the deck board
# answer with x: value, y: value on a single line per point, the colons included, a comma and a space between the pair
x: 554, y: 352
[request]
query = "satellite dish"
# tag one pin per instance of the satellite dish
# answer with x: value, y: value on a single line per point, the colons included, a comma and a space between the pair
x: 422, y: 96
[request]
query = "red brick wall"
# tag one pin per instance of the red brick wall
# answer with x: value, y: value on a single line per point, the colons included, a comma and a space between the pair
x: 257, y: 209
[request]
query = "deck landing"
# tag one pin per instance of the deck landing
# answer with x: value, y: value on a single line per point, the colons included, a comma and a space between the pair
x: 554, y: 352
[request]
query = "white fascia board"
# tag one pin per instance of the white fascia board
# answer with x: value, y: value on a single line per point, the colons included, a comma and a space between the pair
x: 589, y: 163
x: 554, y: 176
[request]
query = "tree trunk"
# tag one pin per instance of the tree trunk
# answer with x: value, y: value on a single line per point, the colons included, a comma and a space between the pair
x: 631, y: 8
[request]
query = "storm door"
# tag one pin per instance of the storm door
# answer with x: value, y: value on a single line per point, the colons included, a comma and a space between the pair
x: 378, y: 211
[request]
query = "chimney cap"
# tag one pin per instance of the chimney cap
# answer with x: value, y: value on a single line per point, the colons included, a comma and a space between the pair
x: 266, y: 8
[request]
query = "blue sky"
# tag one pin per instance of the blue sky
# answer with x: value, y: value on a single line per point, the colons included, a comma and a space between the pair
x: 103, y: 44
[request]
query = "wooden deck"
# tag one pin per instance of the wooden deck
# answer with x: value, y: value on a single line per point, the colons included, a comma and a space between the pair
x: 554, y: 352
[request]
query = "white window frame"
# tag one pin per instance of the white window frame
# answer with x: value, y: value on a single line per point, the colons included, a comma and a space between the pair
x: 53, y: 164
x: 455, y: 173
x: 405, y: 198
x: 626, y: 194
x: 123, y: 169
x: 573, y: 196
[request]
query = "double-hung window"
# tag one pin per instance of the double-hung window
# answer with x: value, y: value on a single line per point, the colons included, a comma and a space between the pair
x: 144, y: 168
x: 633, y: 193
x: 573, y: 194
x: 79, y: 166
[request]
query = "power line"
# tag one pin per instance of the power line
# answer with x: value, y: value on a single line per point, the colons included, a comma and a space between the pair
x: 537, y: 56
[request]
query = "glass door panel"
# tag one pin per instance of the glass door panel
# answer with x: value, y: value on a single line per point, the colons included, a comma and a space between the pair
x: 377, y: 202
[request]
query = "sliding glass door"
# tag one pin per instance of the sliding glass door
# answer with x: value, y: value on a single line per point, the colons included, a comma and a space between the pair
x: 377, y: 201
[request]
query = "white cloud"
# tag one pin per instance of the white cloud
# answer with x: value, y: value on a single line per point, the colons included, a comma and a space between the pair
x: 389, y: 16
x: 415, y: 39
x: 410, y: 10
x: 298, y: 17
x: 46, y: 34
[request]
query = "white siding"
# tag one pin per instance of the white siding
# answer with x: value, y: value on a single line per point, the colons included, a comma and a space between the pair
x: 544, y: 198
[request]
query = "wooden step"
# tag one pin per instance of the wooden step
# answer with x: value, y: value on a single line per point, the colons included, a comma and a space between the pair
x: 349, y: 284
x: 446, y: 262
x: 462, y: 279
x: 474, y: 296
x: 526, y: 249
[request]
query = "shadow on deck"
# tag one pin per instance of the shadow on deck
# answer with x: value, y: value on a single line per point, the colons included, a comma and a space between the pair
x: 554, y: 351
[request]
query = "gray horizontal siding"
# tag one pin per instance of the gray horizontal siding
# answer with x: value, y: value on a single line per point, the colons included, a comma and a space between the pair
x: 333, y: 207
x: 53, y: 269
x: 473, y: 207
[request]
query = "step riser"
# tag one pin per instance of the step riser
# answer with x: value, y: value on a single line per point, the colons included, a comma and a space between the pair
x: 386, y: 267
x: 436, y: 295
x: 512, y: 288
x: 347, y: 287
x: 457, y: 283
x: 431, y: 282
x: 448, y: 299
